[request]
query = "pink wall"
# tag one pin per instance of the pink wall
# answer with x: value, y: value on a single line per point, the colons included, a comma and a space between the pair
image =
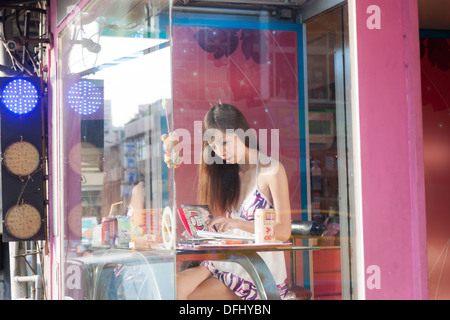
x: 266, y: 93
x: 393, y: 196
x: 264, y: 89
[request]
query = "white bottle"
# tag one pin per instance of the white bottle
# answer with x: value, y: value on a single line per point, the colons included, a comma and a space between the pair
x: 264, y: 225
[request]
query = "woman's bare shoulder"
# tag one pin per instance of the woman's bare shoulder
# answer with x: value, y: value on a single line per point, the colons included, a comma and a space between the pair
x: 270, y: 167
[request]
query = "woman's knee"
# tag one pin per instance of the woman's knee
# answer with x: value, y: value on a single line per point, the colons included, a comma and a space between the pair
x: 212, y: 289
x: 188, y: 280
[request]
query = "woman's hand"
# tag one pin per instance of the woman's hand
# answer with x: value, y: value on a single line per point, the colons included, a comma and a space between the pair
x: 223, y: 224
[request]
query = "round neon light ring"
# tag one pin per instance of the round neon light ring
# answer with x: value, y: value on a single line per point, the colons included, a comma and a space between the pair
x: 85, y: 97
x: 20, y: 96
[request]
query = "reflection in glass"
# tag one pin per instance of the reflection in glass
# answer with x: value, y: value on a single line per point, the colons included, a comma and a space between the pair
x: 85, y: 97
x: 114, y: 63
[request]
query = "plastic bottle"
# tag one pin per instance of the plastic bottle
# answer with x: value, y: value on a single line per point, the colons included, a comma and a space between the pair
x: 264, y: 225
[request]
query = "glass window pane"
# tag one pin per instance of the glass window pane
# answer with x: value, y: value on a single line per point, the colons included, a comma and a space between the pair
x: 256, y: 64
x: 115, y: 103
x: 328, y: 114
x: 132, y: 71
x: 253, y: 64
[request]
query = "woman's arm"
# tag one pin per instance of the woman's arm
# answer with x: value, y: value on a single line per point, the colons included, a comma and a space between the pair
x: 224, y: 224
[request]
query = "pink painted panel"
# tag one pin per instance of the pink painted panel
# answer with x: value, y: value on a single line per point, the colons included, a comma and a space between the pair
x: 264, y: 86
x: 265, y: 91
x: 391, y: 148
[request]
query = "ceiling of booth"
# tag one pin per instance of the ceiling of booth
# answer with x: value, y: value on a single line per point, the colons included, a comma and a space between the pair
x: 434, y: 14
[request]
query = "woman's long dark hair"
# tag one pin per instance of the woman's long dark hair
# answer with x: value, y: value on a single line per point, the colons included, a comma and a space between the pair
x: 219, y: 182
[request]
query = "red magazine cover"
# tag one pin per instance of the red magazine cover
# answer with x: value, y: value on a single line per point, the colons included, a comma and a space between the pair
x: 195, y: 217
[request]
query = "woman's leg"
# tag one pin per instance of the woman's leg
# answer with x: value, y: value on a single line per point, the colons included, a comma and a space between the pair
x: 189, y: 279
x: 198, y: 284
x: 212, y: 289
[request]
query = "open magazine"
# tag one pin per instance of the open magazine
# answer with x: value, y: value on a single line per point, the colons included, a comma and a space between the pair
x: 195, y: 218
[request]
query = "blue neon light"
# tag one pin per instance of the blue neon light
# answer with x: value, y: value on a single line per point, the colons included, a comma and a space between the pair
x: 20, y: 96
x: 85, y: 97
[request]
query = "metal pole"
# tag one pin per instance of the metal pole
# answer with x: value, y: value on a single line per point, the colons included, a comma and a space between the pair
x: 17, y: 268
x: 36, y: 290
